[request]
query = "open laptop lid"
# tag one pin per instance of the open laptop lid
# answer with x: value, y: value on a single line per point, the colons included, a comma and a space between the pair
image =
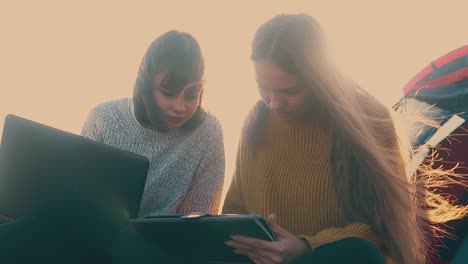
x: 43, y: 169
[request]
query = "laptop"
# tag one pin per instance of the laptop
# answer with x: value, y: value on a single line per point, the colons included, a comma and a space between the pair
x: 83, y: 186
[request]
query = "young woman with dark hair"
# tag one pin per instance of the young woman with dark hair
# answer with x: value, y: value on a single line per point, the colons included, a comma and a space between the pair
x: 165, y: 122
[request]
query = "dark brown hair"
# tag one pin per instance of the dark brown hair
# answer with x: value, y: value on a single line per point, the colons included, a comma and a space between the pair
x: 179, y: 57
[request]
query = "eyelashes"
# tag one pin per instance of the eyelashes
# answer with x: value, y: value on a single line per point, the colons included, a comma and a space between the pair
x: 191, y: 95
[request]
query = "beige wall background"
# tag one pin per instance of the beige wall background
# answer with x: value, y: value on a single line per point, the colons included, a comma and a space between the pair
x: 58, y: 59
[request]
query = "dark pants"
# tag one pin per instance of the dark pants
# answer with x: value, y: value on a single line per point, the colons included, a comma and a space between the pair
x: 461, y: 256
x: 39, y: 240
x: 32, y: 240
x: 36, y: 241
x: 348, y: 250
x: 131, y: 249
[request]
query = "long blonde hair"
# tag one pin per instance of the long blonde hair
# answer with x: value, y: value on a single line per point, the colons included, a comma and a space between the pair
x: 368, y: 163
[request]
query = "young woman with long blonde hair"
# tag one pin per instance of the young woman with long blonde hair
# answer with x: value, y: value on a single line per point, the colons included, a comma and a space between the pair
x: 323, y: 155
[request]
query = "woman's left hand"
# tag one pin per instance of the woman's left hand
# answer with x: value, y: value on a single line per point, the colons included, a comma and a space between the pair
x: 286, y: 247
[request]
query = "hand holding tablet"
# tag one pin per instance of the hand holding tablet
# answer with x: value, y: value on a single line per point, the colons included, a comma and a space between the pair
x: 285, y: 248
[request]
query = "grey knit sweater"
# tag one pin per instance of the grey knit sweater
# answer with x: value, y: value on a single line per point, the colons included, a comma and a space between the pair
x: 186, y: 170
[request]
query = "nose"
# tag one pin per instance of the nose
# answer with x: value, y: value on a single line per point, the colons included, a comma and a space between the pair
x: 276, y: 102
x: 179, y: 105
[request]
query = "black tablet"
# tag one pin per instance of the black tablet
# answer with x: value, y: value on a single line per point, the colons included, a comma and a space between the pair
x: 201, y: 237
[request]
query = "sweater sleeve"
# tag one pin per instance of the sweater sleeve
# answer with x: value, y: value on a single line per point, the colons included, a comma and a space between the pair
x: 206, y: 188
x: 331, y: 235
x: 234, y: 203
x: 91, y: 128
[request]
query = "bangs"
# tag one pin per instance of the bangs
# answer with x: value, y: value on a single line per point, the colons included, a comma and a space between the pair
x: 177, y: 77
x: 178, y: 56
x: 180, y: 60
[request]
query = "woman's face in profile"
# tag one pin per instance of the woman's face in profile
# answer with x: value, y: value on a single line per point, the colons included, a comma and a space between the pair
x: 176, y: 106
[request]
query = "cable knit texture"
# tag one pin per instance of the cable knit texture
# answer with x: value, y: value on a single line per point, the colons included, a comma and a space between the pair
x: 186, y: 171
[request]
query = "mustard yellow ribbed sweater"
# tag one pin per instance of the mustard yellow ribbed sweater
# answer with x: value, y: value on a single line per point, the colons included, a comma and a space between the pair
x: 289, y: 174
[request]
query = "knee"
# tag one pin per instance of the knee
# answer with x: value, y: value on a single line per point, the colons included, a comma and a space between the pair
x: 348, y: 250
